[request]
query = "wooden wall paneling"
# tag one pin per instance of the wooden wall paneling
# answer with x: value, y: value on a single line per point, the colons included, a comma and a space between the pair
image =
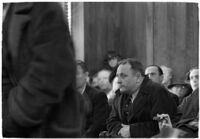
x: 77, y: 28
x: 192, y: 38
x: 102, y: 31
x: 179, y: 51
x: 171, y: 32
x: 154, y: 33
x: 150, y: 34
x: 93, y: 35
x: 135, y: 31
x: 161, y: 33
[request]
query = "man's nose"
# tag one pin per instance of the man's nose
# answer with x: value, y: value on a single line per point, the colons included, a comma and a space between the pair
x: 194, y: 80
x: 119, y: 81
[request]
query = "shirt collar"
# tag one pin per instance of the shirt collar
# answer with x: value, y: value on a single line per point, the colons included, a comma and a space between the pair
x: 83, y: 89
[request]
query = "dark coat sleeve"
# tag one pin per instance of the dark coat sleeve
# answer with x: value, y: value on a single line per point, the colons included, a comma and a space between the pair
x: 51, y: 70
x: 190, y: 106
x: 113, y: 122
x: 99, y: 116
x: 161, y: 103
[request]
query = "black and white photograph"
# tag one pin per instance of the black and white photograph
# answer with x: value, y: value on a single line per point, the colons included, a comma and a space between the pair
x: 100, y: 69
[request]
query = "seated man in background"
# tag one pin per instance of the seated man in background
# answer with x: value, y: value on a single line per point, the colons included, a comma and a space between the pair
x: 137, y: 102
x: 155, y: 73
x: 189, y: 108
x: 103, y: 81
x: 96, y: 102
x: 94, y: 81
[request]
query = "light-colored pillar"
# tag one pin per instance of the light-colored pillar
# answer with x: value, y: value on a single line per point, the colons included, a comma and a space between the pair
x: 77, y: 28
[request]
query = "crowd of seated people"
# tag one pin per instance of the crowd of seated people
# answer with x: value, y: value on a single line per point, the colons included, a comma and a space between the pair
x: 188, y: 109
x: 135, y: 96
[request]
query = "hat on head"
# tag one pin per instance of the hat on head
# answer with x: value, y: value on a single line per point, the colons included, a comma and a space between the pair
x: 177, y: 84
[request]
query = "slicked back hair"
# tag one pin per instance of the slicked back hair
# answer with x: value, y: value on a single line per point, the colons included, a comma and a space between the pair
x: 135, y: 65
x: 158, y: 68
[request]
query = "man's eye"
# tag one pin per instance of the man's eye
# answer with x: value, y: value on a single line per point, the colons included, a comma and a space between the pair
x: 123, y: 76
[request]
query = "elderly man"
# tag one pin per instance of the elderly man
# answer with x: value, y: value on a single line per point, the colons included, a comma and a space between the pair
x: 137, y: 102
x: 96, y: 102
x: 155, y: 73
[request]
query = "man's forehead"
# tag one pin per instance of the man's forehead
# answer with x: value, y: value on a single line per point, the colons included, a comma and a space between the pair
x: 124, y: 68
x: 104, y: 73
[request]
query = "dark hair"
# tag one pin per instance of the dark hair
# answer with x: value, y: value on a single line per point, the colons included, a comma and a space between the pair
x: 111, y: 55
x: 158, y: 67
x: 135, y: 65
x: 82, y: 65
x: 113, y: 74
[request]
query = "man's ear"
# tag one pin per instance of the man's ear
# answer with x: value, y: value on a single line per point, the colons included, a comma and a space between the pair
x: 87, y: 74
x: 138, y: 75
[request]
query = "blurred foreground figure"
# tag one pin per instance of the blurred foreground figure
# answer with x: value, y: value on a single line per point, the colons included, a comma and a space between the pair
x: 38, y: 75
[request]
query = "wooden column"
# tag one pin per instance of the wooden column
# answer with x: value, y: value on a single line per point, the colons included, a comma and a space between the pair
x: 77, y: 29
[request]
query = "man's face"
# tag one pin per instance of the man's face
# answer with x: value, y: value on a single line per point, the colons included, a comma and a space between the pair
x: 95, y: 81
x: 81, y: 77
x: 194, y: 79
x: 153, y: 74
x: 127, y: 78
x: 103, y: 80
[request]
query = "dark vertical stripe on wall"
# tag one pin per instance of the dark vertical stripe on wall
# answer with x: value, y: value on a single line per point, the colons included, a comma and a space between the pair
x: 154, y: 33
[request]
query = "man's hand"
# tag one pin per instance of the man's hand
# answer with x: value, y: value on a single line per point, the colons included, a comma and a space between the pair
x: 194, y: 123
x: 163, y: 121
x: 124, y: 131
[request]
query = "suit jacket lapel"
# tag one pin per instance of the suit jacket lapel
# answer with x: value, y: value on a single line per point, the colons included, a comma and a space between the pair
x: 18, y: 20
x: 120, y: 106
x: 87, y: 99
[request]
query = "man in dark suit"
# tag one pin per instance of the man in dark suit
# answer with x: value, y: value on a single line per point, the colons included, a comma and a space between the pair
x: 155, y: 73
x: 96, y: 102
x: 38, y: 73
x: 137, y: 102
